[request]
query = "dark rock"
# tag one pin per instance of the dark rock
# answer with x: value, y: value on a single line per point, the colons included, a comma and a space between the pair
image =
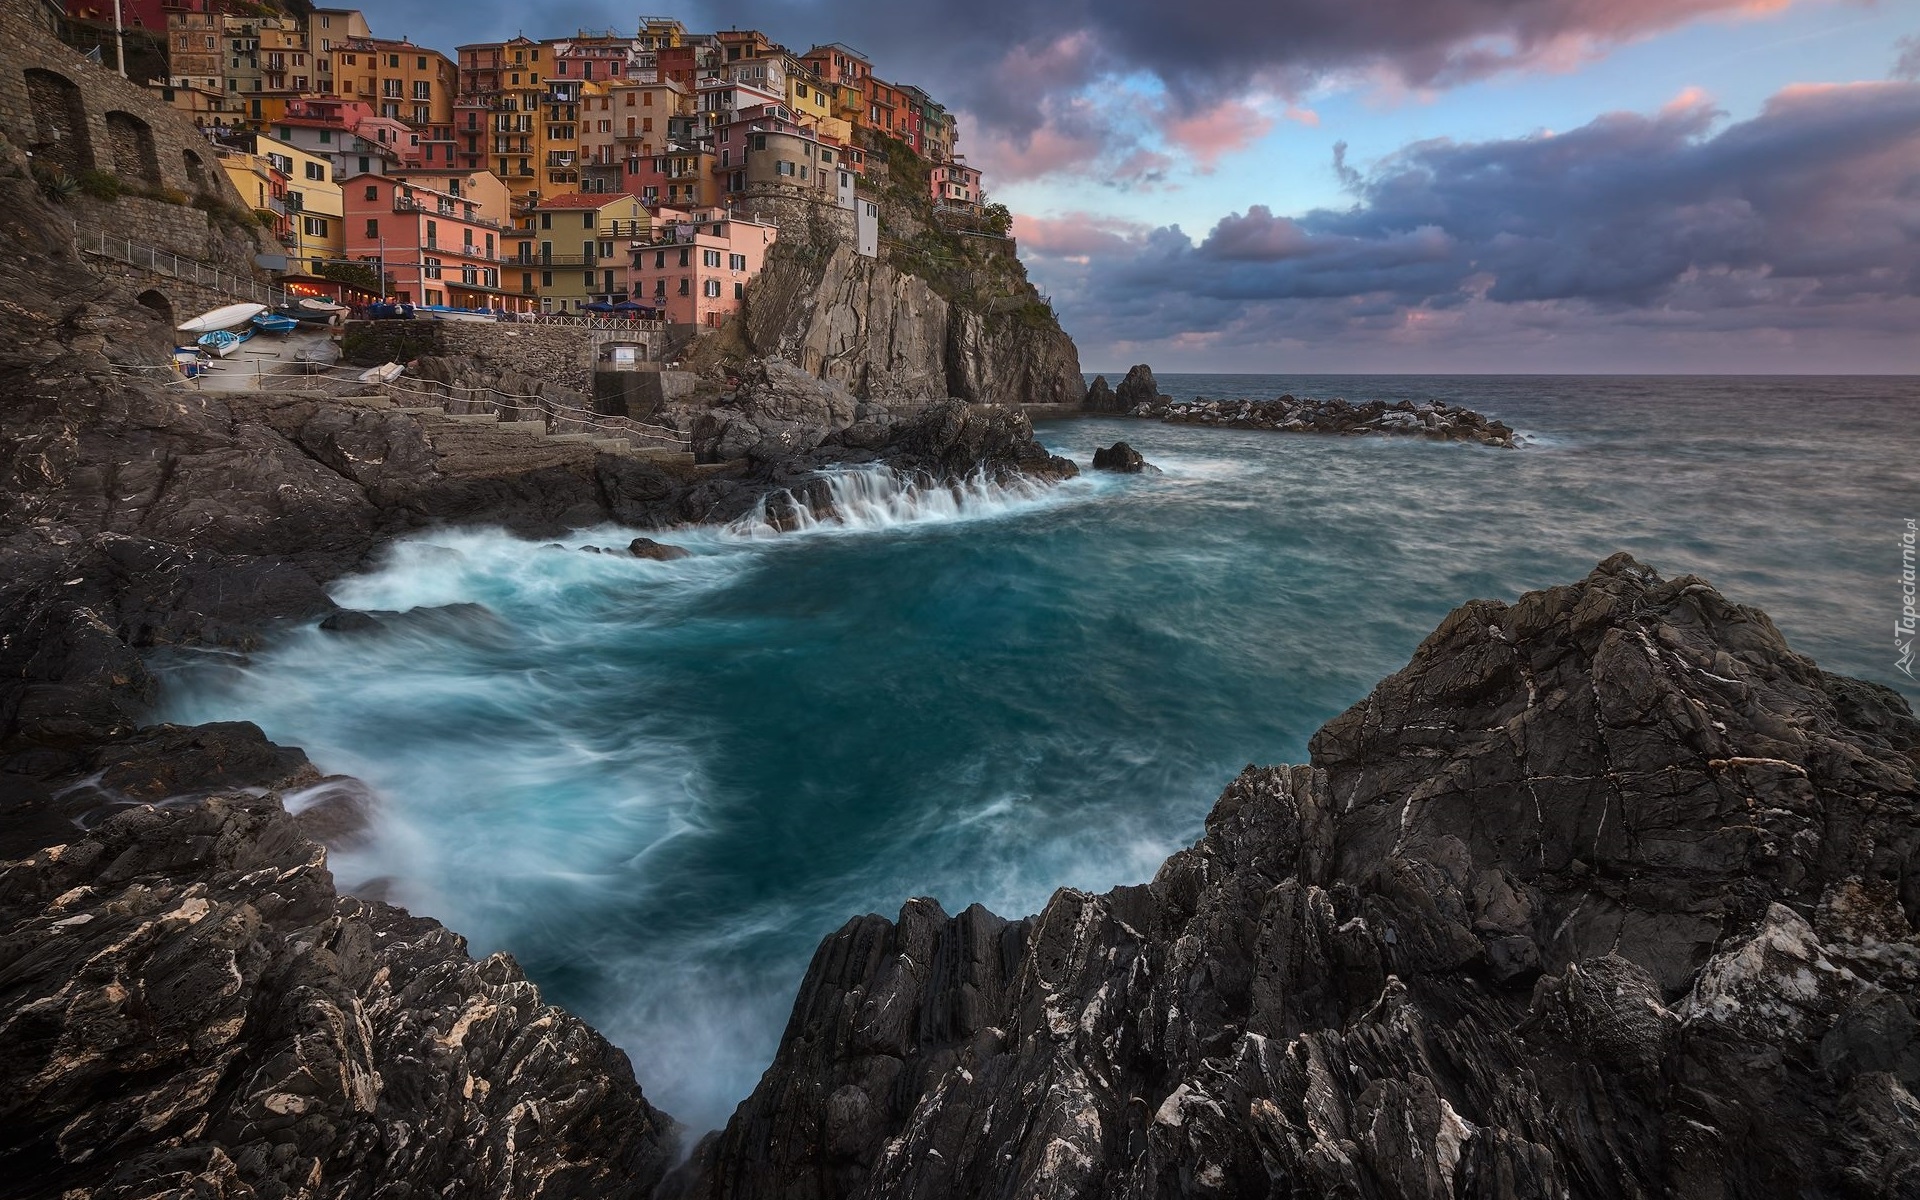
x: 952, y: 440
x: 1139, y: 387
x: 349, y: 620
x: 1436, y: 422
x: 657, y: 551
x: 193, y: 1010
x: 1608, y: 893
x: 1101, y: 398
x: 1123, y: 459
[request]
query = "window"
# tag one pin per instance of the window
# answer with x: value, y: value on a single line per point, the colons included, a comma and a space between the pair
x: 759, y: 141
x: 686, y: 256
x: 373, y: 191
x: 737, y: 262
x: 660, y: 260
x: 783, y: 167
x: 314, y: 227
x: 684, y: 290
x: 421, y: 63
x: 826, y: 156
x: 316, y: 171
x: 586, y: 220
x: 373, y: 227
x: 546, y: 279
x: 422, y: 90
x: 546, y: 220
x: 393, y: 60
x: 660, y: 288
x: 589, y: 278
x: 739, y: 290
x: 709, y: 258
x: 711, y: 289
x: 326, y: 137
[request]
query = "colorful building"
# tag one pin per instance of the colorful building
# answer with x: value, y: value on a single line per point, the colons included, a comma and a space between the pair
x: 431, y: 247
x: 766, y: 150
x: 326, y: 29
x: 293, y: 184
x: 697, y: 267
x: 488, y: 191
x: 956, y: 184
x: 571, y: 251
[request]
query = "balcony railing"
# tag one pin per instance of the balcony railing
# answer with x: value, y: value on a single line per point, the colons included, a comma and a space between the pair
x: 550, y: 261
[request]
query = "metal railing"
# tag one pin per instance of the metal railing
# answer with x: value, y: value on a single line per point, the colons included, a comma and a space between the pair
x: 162, y: 262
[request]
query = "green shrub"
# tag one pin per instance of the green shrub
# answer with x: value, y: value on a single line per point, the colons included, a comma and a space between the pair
x: 102, y: 185
x: 55, y: 184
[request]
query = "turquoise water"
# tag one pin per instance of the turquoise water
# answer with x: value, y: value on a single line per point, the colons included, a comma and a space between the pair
x: 659, y: 785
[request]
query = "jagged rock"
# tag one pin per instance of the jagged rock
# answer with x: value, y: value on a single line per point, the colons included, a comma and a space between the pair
x: 1101, y: 397
x: 1437, y: 422
x: 657, y: 551
x: 1139, y: 387
x: 952, y: 440
x: 1123, y: 459
x: 1607, y: 893
x: 190, y: 1009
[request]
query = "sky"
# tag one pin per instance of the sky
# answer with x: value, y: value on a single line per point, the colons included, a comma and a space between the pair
x: 1553, y: 186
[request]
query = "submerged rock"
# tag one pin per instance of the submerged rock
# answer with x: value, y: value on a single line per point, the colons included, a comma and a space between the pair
x: 1569, y: 906
x: 657, y: 551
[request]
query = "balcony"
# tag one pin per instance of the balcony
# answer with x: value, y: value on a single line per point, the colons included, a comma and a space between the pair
x: 547, y: 262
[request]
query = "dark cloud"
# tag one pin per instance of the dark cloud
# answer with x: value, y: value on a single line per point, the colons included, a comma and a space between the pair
x: 1907, y: 66
x: 1806, y: 217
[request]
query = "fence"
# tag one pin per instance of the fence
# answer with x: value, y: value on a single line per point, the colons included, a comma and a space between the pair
x: 162, y: 262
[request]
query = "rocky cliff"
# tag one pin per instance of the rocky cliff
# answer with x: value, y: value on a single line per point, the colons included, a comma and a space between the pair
x: 1608, y: 893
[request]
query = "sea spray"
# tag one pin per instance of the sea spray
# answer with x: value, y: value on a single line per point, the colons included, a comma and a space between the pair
x: 877, y: 498
x: 660, y: 784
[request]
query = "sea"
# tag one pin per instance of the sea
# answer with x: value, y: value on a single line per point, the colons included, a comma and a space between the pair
x: 660, y: 785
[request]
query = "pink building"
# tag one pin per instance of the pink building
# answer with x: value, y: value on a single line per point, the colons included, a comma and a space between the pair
x: 434, y: 247
x: 697, y: 269
x: 956, y: 184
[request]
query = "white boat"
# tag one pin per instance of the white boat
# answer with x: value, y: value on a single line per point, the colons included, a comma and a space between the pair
x: 322, y: 306
x: 384, y: 373
x: 230, y: 317
x: 440, y: 312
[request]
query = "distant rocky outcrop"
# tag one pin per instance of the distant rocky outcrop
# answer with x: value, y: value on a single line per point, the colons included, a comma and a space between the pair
x: 1607, y: 894
x: 1100, y: 397
x: 1139, y: 387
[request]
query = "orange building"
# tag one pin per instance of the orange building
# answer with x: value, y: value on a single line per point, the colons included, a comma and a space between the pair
x: 434, y: 247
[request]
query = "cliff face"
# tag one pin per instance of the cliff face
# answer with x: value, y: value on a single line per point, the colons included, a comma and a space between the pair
x: 1608, y: 893
x: 884, y: 334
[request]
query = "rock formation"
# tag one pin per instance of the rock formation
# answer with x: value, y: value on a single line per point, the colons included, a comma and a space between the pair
x: 1435, y: 421
x: 187, y: 1007
x: 1100, y: 397
x: 885, y: 335
x: 1608, y: 893
x: 1139, y: 387
x: 1122, y: 459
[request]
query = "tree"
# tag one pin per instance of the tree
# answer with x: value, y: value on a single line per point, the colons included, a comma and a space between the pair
x: 359, y: 275
x: 999, y: 219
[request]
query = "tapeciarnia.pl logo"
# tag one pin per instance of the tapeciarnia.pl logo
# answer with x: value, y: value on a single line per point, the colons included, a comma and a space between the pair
x: 1903, y: 629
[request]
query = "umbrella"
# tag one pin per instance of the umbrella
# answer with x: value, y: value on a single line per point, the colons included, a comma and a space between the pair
x: 598, y: 306
x: 629, y: 306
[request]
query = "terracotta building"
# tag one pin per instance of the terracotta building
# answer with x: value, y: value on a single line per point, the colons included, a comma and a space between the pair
x: 697, y: 268
x: 434, y: 247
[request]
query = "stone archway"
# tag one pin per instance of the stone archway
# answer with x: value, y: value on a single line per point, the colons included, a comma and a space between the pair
x: 134, y: 157
x: 59, y: 121
x: 155, y: 301
x: 197, y: 177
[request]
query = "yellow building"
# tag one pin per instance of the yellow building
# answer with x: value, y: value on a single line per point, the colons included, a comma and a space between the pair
x: 296, y: 186
x: 326, y: 29
x: 576, y: 249
x: 532, y: 122
x: 400, y: 80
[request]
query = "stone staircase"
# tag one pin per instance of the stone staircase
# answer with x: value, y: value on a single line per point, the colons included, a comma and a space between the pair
x: 536, y: 431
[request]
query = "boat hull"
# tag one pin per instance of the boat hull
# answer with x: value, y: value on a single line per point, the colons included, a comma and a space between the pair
x: 229, y: 317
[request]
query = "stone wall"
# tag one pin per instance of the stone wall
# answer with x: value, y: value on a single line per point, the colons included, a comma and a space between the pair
x: 66, y: 110
x: 800, y: 218
x: 560, y: 354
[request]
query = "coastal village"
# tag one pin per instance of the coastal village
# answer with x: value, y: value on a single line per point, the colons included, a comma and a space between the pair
x: 643, y: 173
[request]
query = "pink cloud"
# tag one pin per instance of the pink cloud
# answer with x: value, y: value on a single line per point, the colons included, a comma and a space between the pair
x: 1227, y: 128
x: 1077, y: 235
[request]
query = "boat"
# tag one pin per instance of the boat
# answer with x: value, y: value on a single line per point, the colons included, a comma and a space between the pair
x: 384, y: 373
x: 222, y: 342
x: 190, y: 361
x: 230, y: 317
x: 323, y: 307
x: 275, y: 323
x: 442, y: 312
x: 387, y: 311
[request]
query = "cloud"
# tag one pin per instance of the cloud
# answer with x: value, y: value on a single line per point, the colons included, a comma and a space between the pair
x: 1907, y: 66
x: 1804, y: 219
x: 1211, y: 134
x: 1003, y: 61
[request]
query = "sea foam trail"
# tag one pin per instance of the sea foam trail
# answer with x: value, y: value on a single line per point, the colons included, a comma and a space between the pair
x: 878, y: 498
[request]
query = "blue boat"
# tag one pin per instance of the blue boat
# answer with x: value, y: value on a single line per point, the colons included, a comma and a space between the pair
x: 274, y: 323
x: 222, y: 342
